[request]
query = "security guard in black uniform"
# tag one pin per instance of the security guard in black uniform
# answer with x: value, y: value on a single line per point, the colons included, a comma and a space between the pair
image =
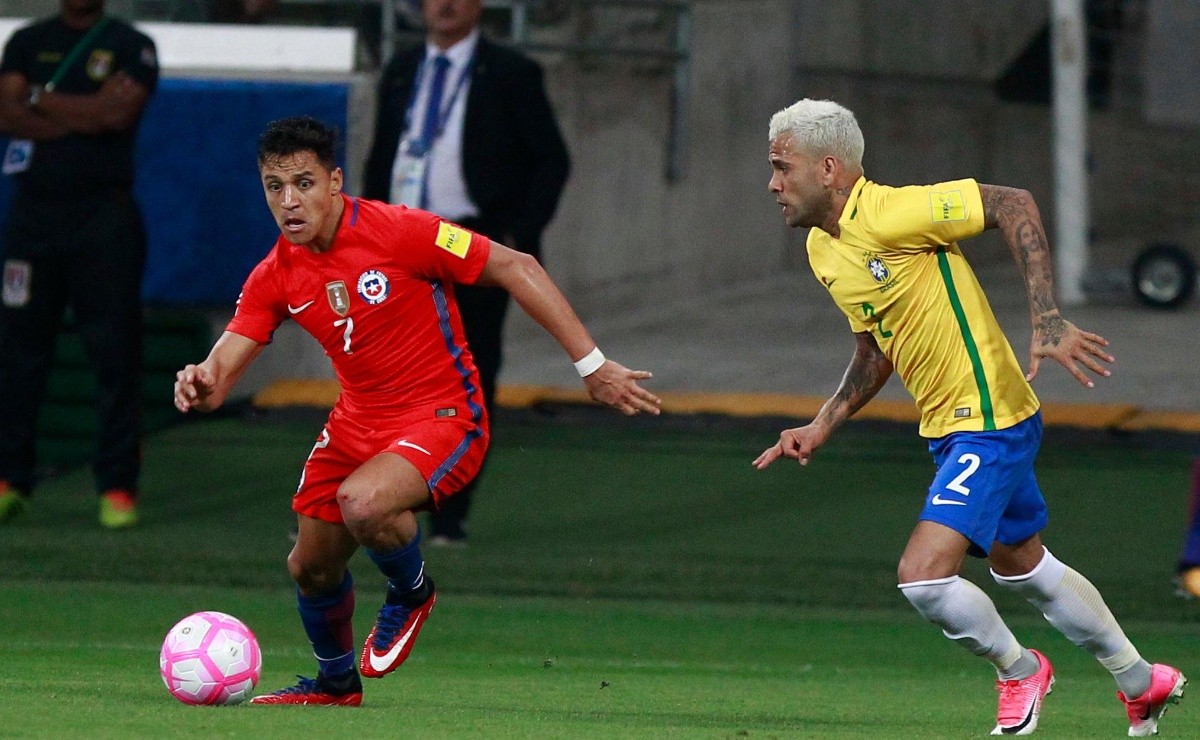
x: 72, y: 90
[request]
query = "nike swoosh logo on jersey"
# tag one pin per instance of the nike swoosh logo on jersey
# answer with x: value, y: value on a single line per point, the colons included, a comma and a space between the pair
x: 381, y: 663
x: 406, y: 443
x: 937, y: 500
x: 301, y: 307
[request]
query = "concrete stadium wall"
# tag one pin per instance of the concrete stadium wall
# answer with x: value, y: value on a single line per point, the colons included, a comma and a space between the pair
x: 919, y: 77
x: 624, y: 233
x: 918, y: 74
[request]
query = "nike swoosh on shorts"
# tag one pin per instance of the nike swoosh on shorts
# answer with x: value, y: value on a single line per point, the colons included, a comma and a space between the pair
x: 406, y: 443
x: 937, y: 500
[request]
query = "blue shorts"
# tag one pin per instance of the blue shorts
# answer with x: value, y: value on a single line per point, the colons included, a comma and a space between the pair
x: 985, y: 488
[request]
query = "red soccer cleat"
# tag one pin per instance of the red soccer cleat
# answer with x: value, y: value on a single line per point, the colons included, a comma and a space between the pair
x: 1021, y: 701
x: 118, y: 509
x: 393, y: 636
x: 317, y: 691
x: 12, y: 502
x: 1166, y: 687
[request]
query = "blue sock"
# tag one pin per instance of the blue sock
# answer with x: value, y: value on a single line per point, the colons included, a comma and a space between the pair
x: 403, y: 567
x: 1190, y: 557
x: 327, y: 621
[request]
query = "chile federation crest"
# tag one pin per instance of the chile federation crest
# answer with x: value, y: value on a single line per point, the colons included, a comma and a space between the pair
x: 373, y: 286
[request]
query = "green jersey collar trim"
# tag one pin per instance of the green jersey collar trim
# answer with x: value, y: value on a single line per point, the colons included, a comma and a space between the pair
x: 850, y: 210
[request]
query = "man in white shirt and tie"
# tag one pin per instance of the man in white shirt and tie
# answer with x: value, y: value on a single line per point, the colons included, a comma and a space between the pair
x: 490, y: 156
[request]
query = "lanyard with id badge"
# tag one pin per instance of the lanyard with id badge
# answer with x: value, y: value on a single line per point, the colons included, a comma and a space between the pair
x: 410, y: 174
x: 19, y: 154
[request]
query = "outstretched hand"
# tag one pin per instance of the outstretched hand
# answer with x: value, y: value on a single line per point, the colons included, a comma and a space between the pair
x: 1067, y: 344
x: 799, y: 444
x: 193, y: 386
x: 616, y: 386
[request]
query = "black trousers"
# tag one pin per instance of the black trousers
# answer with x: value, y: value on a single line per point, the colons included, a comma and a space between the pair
x: 86, y: 253
x: 483, y: 311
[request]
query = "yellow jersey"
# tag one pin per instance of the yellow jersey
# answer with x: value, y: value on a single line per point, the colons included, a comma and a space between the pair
x: 897, y: 272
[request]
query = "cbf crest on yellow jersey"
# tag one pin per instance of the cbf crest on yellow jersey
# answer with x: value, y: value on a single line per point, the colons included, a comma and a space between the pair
x: 897, y: 272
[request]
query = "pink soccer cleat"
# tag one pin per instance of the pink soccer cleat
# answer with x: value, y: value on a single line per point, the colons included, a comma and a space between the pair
x: 1021, y: 701
x: 1166, y: 687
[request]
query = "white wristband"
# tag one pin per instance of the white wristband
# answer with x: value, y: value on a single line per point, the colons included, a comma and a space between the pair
x: 590, y: 362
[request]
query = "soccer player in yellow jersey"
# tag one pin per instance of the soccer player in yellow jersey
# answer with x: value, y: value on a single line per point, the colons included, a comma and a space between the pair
x: 890, y: 260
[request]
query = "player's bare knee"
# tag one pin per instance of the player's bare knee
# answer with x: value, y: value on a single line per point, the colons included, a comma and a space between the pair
x: 1012, y: 561
x: 906, y: 573
x: 920, y: 566
x: 313, y: 577
x: 359, y: 504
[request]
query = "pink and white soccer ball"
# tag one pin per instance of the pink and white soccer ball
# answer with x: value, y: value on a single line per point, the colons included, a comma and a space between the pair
x: 210, y: 658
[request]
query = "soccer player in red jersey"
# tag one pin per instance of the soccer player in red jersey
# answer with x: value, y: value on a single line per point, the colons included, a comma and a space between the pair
x: 374, y: 284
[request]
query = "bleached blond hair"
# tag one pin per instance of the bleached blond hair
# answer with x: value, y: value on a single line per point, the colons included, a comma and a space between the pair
x: 821, y: 127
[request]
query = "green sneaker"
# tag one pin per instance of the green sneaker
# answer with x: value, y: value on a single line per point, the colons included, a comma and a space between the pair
x: 12, y: 504
x: 118, y: 509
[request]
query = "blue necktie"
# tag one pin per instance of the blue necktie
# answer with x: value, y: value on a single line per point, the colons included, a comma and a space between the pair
x: 433, y: 105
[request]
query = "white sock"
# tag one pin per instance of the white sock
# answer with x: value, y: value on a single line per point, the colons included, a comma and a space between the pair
x: 967, y: 616
x: 1073, y: 605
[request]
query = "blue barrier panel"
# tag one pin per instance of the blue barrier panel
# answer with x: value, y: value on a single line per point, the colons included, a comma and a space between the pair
x: 197, y: 181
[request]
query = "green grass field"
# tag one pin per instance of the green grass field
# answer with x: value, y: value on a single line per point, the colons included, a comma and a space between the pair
x: 623, y: 580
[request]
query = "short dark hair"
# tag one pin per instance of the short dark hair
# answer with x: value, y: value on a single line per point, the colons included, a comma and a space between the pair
x: 289, y: 136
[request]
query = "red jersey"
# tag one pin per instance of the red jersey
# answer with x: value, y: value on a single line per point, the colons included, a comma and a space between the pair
x: 381, y: 303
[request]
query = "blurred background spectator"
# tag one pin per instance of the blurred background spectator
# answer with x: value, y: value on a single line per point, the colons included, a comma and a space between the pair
x: 72, y: 90
x: 464, y: 129
x: 1188, y: 569
x: 243, y: 11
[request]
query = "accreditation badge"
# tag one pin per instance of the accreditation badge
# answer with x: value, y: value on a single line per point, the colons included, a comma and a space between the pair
x: 18, y: 156
x: 18, y: 274
x: 408, y: 175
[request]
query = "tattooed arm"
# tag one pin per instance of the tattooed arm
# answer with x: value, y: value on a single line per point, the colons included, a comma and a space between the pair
x: 869, y: 369
x: 1014, y: 212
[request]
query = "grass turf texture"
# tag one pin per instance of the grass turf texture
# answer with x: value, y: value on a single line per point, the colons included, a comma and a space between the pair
x: 624, y: 580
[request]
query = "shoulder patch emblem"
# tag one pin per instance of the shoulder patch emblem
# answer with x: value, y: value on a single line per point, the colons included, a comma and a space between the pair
x: 946, y: 207
x: 454, y: 239
x: 100, y: 64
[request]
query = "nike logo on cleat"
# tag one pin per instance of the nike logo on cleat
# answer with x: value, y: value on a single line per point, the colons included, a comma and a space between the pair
x: 383, y: 662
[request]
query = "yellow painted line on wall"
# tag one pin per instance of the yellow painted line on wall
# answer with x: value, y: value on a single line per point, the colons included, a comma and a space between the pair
x: 1173, y: 420
x: 1124, y: 417
x: 319, y: 393
x: 1089, y: 415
